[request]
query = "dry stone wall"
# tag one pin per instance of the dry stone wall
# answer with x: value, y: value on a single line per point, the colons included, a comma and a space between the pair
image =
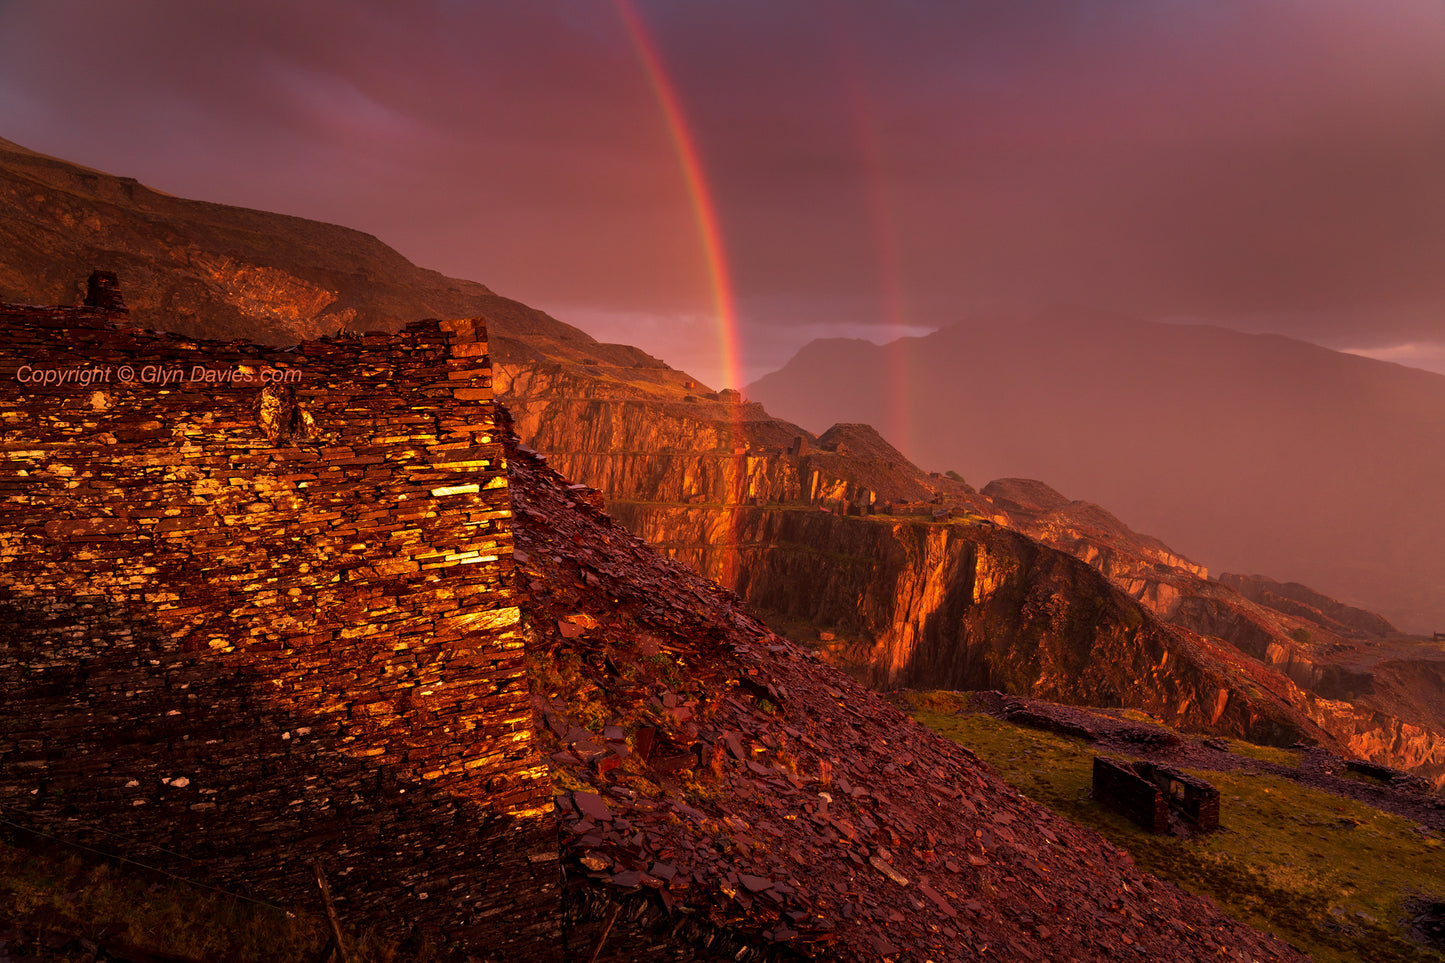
x: 1118, y: 787
x: 256, y: 607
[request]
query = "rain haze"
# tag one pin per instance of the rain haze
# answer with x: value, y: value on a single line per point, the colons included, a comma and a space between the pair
x: 721, y: 183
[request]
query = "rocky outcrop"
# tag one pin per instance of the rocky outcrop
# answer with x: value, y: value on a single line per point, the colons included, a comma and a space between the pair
x: 922, y: 581
x: 1142, y: 565
x: 652, y: 434
x: 1292, y: 598
x: 970, y: 607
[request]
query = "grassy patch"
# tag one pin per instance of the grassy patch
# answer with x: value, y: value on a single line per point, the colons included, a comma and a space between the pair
x: 1325, y: 873
x: 1051, y: 769
x: 1280, y: 757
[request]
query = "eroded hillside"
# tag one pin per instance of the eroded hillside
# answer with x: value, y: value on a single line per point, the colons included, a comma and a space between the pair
x: 216, y: 271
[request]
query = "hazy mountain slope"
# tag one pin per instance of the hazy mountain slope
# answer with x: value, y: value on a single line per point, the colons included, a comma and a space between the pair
x: 917, y: 580
x: 1246, y: 452
x: 215, y: 271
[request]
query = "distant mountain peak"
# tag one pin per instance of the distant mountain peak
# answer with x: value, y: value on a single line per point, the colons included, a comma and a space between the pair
x: 1245, y: 451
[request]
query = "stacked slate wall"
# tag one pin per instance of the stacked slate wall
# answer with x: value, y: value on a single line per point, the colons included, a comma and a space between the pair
x: 1192, y: 797
x: 256, y: 607
x: 1120, y: 788
x: 1145, y: 792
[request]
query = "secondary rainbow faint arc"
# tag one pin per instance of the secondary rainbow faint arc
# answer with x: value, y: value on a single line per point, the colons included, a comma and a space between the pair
x: 704, y: 213
x: 898, y: 418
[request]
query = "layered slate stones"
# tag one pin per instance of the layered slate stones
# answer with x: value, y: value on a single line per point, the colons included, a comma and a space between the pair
x: 1145, y: 792
x: 1120, y: 788
x: 256, y: 607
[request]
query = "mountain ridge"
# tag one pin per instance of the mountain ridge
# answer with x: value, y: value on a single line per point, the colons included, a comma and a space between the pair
x: 694, y: 470
x: 766, y: 731
x: 1289, y: 458
x: 206, y: 269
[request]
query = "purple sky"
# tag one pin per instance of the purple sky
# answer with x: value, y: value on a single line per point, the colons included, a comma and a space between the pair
x: 877, y: 169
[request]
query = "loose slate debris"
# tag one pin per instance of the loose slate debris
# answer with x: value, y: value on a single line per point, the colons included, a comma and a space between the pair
x: 1388, y: 776
x: 1427, y: 921
x: 1048, y: 721
x: 1092, y: 725
x: 772, y: 808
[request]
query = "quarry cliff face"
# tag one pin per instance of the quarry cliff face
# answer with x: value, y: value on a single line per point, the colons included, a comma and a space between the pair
x: 921, y: 581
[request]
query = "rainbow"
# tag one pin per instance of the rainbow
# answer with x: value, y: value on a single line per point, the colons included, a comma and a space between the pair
x: 694, y: 176
x: 734, y: 459
x: 898, y: 420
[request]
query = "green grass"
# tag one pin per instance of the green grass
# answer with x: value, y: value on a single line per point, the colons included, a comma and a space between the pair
x: 1280, y: 757
x: 1324, y: 873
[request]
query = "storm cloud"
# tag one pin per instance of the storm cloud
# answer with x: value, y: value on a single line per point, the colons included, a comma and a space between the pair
x: 876, y: 168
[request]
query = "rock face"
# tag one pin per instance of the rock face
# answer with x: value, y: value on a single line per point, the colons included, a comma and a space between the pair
x: 1092, y: 533
x: 927, y: 583
x: 1291, y: 598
